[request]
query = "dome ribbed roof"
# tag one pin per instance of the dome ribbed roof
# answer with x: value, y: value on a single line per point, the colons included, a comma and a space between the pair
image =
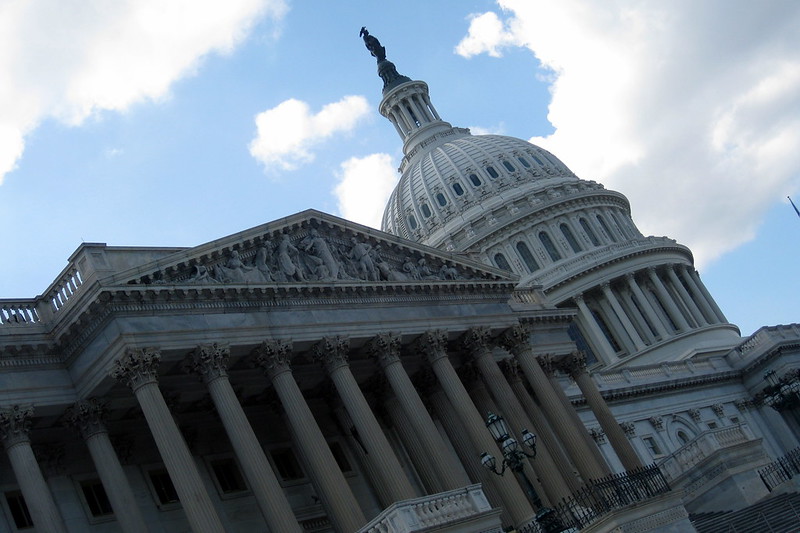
x: 455, y: 178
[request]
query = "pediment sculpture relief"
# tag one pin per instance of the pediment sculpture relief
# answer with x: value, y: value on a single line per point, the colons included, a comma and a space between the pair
x: 310, y: 255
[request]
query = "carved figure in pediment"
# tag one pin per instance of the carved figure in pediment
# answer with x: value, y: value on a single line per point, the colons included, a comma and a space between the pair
x: 448, y: 272
x: 260, y: 263
x: 200, y: 274
x: 286, y: 263
x: 360, y: 255
x: 424, y: 270
x: 410, y: 268
x: 319, y: 253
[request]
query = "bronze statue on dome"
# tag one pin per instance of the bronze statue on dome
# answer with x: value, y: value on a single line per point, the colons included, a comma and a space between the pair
x: 373, y: 44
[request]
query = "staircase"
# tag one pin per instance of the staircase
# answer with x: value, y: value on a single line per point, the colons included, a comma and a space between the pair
x: 778, y: 514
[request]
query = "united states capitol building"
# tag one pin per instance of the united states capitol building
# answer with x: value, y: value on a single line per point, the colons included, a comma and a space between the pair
x: 315, y: 375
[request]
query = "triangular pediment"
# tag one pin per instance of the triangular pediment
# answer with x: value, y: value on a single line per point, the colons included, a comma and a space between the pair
x: 309, y: 247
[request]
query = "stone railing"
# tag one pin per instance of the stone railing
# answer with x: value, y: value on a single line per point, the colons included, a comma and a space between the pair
x: 702, y: 447
x: 527, y: 296
x: 438, y: 511
x: 30, y: 311
x: 669, y: 370
x: 64, y: 288
x: 18, y: 312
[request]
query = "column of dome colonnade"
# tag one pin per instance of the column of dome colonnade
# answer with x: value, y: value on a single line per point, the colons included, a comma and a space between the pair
x: 138, y: 369
x: 432, y: 346
x: 479, y: 345
x: 516, y: 340
x: 332, y: 352
x: 575, y: 365
x: 450, y: 474
x: 210, y: 363
x: 88, y: 417
x: 343, y: 509
x: 15, y: 421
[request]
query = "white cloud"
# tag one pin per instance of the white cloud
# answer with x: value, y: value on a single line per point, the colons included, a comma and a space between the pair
x: 364, y: 187
x: 286, y: 133
x: 68, y: 59
x: 692, y: 110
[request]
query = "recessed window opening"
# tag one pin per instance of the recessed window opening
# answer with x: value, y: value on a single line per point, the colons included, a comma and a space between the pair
x: 652, y: 446
x: 501, y: 262
x: 458, y: 189
x: 537, y: 160
x: 163, y: 487
x: 426, y: 211
x: 589, y: 232
x: 492, y: 172
x: 229, y: 478
x: 527, y: 257
x: 19, y: 510
x: 573, y: 243
x: 440, y: 198
x: 508, y: 166
x: 287, y: 465
x: 547, y: 242
x: 524, y: 162
x: 476, y: 181
x: 340, y: 456
x: 96, y: 498
x: 412, y: 221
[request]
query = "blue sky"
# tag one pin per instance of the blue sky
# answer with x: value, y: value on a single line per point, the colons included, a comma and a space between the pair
x: 137, y: 122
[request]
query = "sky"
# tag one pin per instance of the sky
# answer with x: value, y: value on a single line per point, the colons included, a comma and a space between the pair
x: 174, y: 123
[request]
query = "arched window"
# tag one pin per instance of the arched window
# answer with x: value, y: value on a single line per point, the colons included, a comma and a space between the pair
x: 602, y: 222
x: 501, y: 262
x: 524, y: 162
x: 412, y: 221
x: 508, y: 166
x: 476, y: 181
x: 537, y: 160
x: 573, y: 243
x: 492, y: 172
x: 544, y: 238
x: 426, y: 211
x: 458, y: 189
x: 683, y: 438
x: 589, y: 232
x: 441, y: 199
x: 527, y: 257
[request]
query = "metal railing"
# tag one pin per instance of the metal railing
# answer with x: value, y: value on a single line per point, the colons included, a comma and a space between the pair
x: 782, y: 470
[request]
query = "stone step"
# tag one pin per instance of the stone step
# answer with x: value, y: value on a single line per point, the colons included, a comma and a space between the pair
x: 780, y: 514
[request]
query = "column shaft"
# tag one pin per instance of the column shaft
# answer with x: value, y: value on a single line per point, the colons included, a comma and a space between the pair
x: 623, y: 317
x: 684, y: 295
x: 710, y: 299
x: 41, y: 504
x: 651, y: 314
x: 605, y: 351
x: 416, y: 451
x: 666, y: 299
x: 699, y: 296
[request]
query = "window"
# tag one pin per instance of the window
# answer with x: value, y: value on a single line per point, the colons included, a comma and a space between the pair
x: 524, y: 162
x: 527, y: 257
x: 589, y: 232
x: 96, y: 498
x: 501, y: 262
x: 476, y: 181
x: 508, y: 166
x: 286, y: 464
x: 458, y: 189
x: 683, y: 438
x: 340, y: 456
x: 605, y: 228
x: 412, y: 221
x: 712, y: 425
x: 228, y: 477
x: 426, y: 211
x: 492, y: 172
x: 544, y: 238
x: 537, y: 160
x: 734, y: 420
x: 163, y: 487
x: 652, y: 446
x: 573, y: 243
x: 441, y: 199
x: 19, y: 510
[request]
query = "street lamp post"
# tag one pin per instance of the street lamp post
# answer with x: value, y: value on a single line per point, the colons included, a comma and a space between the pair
x: 513, y: 459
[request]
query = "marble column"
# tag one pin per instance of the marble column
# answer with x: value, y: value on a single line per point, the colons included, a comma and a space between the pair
x: 515, y: 339
x: 546, y: 439
x: 666, y: 299
x: 699, y: 296
x: 332, y: 487
x: 432, y: 344
x: 386, y: 349
x: 15, y: 424
x: 332, y: 352
x: 138, y: 369
x: 88, y: 417
x: 648, y: 310
x: 614, y: 325
x: 423, y: 464
x: 710, y: 299
x: 477, y: 341
x: 210, y: 363
x: 637, y: 316
x: 576, y: 366
x: 627, y: 325
x: 690, y: 304
x: 604, y: 350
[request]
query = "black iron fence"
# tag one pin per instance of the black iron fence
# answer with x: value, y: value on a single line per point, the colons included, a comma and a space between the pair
x: 606, y: 495
x: 783, y: 469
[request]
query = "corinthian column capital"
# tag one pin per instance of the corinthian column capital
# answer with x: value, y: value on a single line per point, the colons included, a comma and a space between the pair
x: 432, y: 345
x: 15, y: 424
x: 137, y: 367
x: 274, y: 356
x: 87, y: 416
x: 516, y: 339
x: 477, y: 340
x: 385, y: 347
x: 209, y: 361
x: 332, y: 352
x: 574, y: 364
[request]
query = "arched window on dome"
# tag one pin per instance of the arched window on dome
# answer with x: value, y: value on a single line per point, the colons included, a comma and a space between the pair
x: 458, y: 189
x: 547, y: 242
x: 509, y: 166
x: 492, y: 172
x: 440, y: 199
x: 501, y: 262
x: 524, y: 162
x: 412, y: 221
x: 537, y: 160
x: 603, y: 224
x: 527, y: 257
x: 573, y: 243
x: 476, y: 181
x: 426, y: 211
x: 589, y: 232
